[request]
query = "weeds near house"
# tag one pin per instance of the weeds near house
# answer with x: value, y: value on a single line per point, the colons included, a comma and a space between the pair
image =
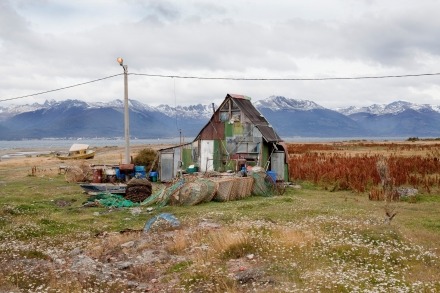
x: 353, y: 166
x: 146, y: 157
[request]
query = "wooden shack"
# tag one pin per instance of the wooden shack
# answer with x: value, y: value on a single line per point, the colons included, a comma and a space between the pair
x: 237, y: 136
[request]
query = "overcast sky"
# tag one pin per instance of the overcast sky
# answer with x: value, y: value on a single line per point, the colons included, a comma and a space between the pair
x: 51, y: 44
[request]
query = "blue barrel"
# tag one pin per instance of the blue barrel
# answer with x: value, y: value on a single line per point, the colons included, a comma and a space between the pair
x: 139, y: 168
x: 273, y: 175
x: 118, y: 173
x: 153, y: 176
x: 139, y: 172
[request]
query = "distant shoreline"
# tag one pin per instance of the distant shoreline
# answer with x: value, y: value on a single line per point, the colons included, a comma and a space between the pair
x: 32, y: 148
x: 12, y: 150
x: 53, y: 144
x: 121, y: 141
x: 64, y: 144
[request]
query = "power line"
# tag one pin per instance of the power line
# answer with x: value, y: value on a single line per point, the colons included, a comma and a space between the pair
x: 286, y: 79
x: 59, y: 89
x: 229, y: 78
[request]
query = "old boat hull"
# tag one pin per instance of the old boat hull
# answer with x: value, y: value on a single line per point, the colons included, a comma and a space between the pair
x: 95, y: 188
x: 78, y: 151
x: 88, y: 155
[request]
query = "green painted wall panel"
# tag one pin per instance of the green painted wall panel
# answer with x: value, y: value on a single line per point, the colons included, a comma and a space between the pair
x: 187, y: 158
x: 229, y: 129
x: 217, y: 156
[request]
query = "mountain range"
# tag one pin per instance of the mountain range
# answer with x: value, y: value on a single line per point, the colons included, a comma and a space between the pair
x: 289, y: 117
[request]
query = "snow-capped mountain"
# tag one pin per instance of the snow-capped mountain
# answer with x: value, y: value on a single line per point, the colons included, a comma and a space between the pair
x: 199, y: 110
x: 276, y: 103
x: 292, y: 117
x: 399, y: 118
x: 393, y: 108
x: 7, y: 112
x: 289, y: 117
x: 204, y: 111
x: 75, y: 118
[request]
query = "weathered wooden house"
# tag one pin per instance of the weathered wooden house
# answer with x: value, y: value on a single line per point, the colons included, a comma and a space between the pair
x: 237, y: 136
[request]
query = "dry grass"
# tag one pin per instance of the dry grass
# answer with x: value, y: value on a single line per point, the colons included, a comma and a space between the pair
x: 294, y: 237
x: 109, y: 243
x: 308, y: 240
x: 355, y: 166
x: 181, y: 242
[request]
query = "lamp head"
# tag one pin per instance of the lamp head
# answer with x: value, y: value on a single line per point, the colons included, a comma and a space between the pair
x: 120, y: 61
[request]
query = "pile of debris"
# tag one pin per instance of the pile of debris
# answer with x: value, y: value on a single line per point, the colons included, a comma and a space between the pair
x: 193, y: 189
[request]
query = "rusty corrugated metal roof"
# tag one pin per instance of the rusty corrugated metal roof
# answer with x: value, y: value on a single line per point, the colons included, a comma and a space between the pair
x: 238, y: 96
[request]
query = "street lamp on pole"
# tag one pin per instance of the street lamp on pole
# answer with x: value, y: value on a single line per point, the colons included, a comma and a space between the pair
x: 126, y: 120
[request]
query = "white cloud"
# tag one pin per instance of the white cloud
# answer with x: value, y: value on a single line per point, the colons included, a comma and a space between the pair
x: 50, y: 44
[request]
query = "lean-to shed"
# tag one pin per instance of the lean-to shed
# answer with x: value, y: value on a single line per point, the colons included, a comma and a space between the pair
x: 237, y: 136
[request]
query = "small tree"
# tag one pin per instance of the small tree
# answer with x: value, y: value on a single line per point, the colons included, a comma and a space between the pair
x: 390, y: 193
x: 145, y: 157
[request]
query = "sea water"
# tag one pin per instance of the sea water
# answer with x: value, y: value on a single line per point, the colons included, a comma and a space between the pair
x: 22, y: 148
x: 26, y: 148
x: 53, y: 144
x: 64, y: 144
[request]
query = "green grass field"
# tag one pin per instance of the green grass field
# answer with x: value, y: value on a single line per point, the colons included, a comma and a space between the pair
x: 307, y: 240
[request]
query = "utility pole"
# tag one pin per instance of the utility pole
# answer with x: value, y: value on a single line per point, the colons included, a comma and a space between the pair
x: 126, y: 112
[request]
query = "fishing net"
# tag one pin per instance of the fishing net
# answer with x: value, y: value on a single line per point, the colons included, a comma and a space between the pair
x: 138, y: 189
x: 242, y: 188
x: 162, y: 197
x: 246, y: 187
x: 112, y: 200
x: 263, y: 184
x: 233, y: 188
x: 224, y: 189
x: 192, y: 190
x: 196, y: 192
x: 211, y: 189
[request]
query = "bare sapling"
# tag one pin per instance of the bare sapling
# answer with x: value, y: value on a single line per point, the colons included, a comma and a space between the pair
x: 389, y: 191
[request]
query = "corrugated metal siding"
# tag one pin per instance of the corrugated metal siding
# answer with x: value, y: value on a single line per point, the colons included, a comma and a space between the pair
x: 277, y: 164
x: 257, y: 119
x: 214, y: 129
x: 166, y: 166
x: 264, y: 155
x: 206, y: 155
x: 177, y: 158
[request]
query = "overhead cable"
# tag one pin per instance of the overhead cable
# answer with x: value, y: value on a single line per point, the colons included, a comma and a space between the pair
x: 230, y: 78
x: 59, y: 89
x: 285, y: 79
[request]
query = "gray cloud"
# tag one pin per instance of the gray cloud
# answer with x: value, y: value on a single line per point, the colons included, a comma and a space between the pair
x: 53, y: 44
